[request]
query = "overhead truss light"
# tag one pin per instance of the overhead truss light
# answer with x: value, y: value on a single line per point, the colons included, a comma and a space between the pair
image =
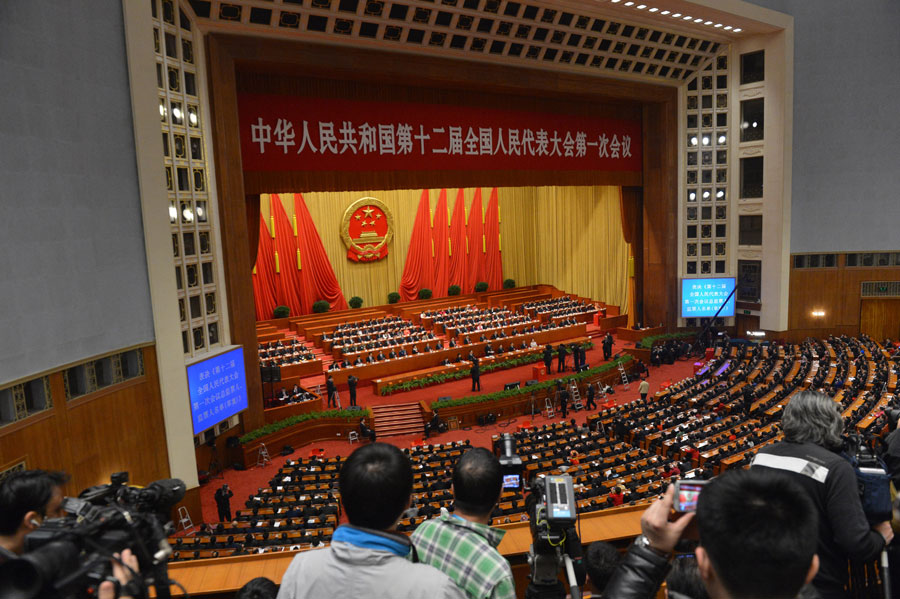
x: 676, y: 15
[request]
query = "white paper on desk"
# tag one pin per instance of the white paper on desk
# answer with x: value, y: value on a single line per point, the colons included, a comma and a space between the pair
x: 286, y: 479
x: 259, y: 524
x: 279, y: 488
x: 311, y: 521
x: 277, y: 524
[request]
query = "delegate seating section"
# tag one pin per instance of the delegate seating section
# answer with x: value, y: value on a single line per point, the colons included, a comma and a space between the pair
x: 284, y: 352
x: 360, y: 341
x: 700, y: 427
x: 300, y: 509
x: 561, y: 308
x: 483, y: 324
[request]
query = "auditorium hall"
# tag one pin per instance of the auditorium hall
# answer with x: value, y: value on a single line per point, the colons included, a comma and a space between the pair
x: 263, y: 234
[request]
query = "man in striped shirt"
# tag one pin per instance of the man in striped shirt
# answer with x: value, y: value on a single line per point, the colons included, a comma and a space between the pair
x: 462, y: 544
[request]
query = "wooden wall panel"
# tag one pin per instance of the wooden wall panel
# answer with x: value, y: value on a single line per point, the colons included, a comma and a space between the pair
x: 834, y: 290
x: 880, y: 318
x: 119, y: 428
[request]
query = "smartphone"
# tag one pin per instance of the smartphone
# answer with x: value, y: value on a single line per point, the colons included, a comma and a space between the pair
x: 687, y: 492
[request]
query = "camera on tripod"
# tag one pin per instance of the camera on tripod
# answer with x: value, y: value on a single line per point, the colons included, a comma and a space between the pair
x: 69, y: 557
x: 511, y: 466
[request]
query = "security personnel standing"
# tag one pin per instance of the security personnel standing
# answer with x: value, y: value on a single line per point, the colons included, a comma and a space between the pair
x: 607, y: 346
x: 548, y: 358
x: 590, y: 397
x: 476, y: 374
x: 351, y: 384
x: 332, y: 391
x: 560, y: 358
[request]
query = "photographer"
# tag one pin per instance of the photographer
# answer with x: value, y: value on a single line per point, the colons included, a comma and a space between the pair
x: 26, y: 500
x: 757, y: 534
x: 812, y: 426
x: 223, y: 502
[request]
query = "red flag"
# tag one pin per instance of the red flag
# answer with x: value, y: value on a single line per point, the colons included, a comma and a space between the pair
x: 264, y: 274
x: 287, y: 277
x: 440, y: 238
x: 475, y: 242
x: 417, y: 272
x: 316, y: 273
x: 458, y: 263
x: 493, y: 265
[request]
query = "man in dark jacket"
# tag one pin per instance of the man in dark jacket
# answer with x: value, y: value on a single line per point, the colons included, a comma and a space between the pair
x: 351, y: 385
x: 476, y: 375
x: 607, y: 346
x: 223, y: 502
x: 332, y: 391
x: 548, y: 358
x: 812, y: 425
x: 561, y: 358
x: 757, y: 540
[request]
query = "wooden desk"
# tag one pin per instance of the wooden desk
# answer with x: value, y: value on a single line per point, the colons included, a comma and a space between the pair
x: 368, y: 372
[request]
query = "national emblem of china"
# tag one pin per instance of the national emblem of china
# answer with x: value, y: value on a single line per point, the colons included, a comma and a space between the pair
x: 367, y: 229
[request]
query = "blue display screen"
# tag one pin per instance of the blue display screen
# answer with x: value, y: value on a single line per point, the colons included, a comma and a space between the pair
x: 218, y: 389
x: 702, y: 297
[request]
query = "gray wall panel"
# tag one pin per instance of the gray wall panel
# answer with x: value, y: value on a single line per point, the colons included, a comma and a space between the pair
x: 846, y: 171
x: 73, y: 273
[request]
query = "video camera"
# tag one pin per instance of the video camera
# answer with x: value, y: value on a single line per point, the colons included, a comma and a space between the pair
x: 511, y: 465
x: 69, y: 557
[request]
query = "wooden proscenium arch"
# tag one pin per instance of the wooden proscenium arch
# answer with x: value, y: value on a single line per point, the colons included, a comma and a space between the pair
x: 246, y: 63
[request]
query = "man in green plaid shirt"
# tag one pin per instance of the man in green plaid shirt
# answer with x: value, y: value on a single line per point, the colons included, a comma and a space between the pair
x: 463, y: 545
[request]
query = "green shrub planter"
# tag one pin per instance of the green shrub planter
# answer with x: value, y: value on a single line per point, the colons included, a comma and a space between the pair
x: 507, y: 393
x: 647, y: 342
x: 355, y: 302
x: 349, y: 415
x: 281, y: 312
x: 424, y: 293
x: 321, y: 306
x: 509, y: 284
x: 393, y: 297
x: 454, y: 290
x: 443, y: 377
x: 481, y: 287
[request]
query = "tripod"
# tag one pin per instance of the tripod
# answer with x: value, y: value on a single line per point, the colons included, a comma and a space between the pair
x: 215, y: 468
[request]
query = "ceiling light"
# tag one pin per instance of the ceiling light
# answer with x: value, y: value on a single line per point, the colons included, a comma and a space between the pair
x: 692, y: 195
x: 818, y: 313
x: 694, y: 141
x: 718, y: 25
x: 188, y: 215
x: 705, y: 140
x: 720, y: 194
x: 654, y: 9
x: 721, y: 139
x: 616, y: 1
x: 641, y: 6
x: 708, y: 23
x: 629, y: 4
x: 675, y: 15
x: 727, y: 27
x: 192, y: 117
x: 705, y: 194
x: 756, y: 333
x: 665, y: 12
x: 173, y: 213
x: 687, y: 18
x: 738, y: 30
x: 755, y: 124
x: 698, y: 20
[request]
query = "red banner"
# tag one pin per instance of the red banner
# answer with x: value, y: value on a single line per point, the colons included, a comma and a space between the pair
x: 295, y: 133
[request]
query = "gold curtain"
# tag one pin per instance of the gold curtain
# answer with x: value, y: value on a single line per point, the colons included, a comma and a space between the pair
x: 569, y: 237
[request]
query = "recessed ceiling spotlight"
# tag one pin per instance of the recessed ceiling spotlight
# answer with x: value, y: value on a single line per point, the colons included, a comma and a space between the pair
x: 708, y: 23
x: 720, y: 194
x: 654, y: 9
x: 641, y: 6
x: 629, y: 4
x: 738, y: 30
x: 727, y: 27
x: 693, y: 195
x: 694, y: 141
x: 718, y: 24
x: 665, y: 12
x: 675, y: 15
x: 705, y: 140
x: 721, y: 139
x: 615, y: 1
x: 698, y: 20
x: 687, y: 18
x: 705, y: 194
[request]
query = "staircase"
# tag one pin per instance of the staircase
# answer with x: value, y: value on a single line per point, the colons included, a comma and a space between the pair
x: 397, y: 419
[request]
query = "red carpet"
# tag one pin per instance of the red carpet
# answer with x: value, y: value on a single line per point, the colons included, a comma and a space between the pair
x: 246, y: 483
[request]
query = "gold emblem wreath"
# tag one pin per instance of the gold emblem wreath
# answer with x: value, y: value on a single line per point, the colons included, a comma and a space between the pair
x: 366, y: 250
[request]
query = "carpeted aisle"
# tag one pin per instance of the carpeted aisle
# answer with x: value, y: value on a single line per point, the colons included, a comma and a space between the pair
x: 246, y: 483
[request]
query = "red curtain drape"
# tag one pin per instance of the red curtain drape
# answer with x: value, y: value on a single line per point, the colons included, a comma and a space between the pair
x: 493, y: 265
x: 417, y: 271
x: 316, y: 274
x: 475, y: 243
x: 440, y: 237
x: 288, y: 285
x: 264, y: 274
x: 458, y: 259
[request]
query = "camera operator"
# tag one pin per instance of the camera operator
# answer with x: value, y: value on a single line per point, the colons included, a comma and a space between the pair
x: 26, y: 500
x: 812, y: 426
x: 757, y: 534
